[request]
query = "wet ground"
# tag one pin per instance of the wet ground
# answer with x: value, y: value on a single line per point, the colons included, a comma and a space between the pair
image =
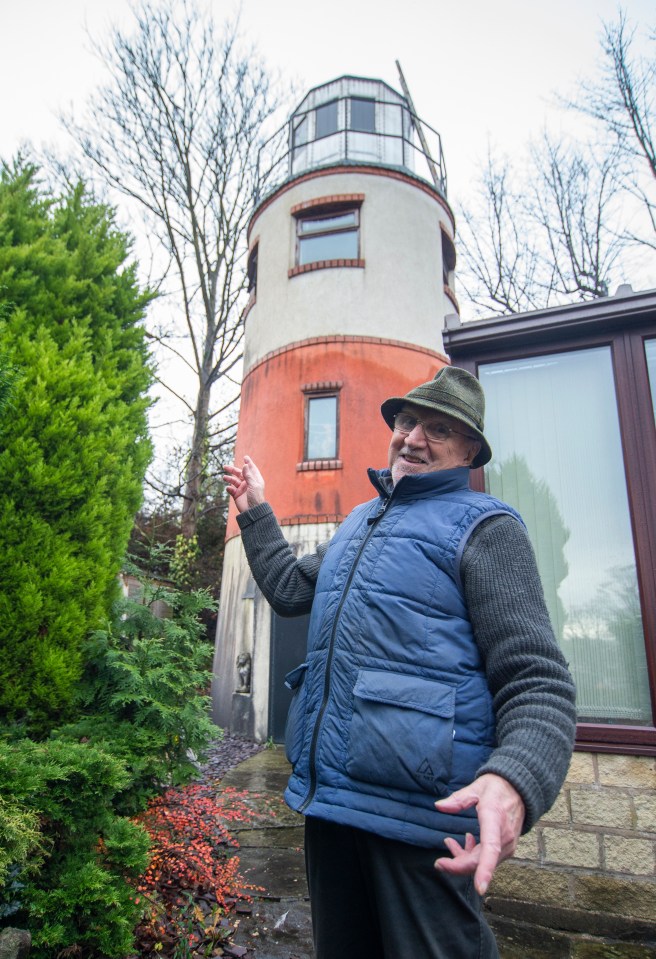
x: 277, y: 923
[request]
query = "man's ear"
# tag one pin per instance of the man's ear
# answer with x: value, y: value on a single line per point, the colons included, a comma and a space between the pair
x: 472, y: 453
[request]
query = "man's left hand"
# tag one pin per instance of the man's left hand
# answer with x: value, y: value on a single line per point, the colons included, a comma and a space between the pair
x: 500, y: 811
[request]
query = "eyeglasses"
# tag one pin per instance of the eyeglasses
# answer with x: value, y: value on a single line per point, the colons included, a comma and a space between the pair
x: 435, y: 432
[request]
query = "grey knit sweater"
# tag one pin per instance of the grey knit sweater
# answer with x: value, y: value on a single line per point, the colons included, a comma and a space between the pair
x: 531, y: 685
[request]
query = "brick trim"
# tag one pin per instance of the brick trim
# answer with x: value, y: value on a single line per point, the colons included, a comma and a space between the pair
x: 324, y: 265
x: 451, y: 295
x: 322, y: 386
x: 346, y: 338
x: 307, y: 465
x: 312, y: 520
x: 308, y: 520
x: 333, y: 200
x: 341, y: 169
x: 252, y: 300
x: 444, y: 230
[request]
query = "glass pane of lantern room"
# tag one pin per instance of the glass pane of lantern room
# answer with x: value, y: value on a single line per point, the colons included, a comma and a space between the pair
x: 553, y: 425
x: 326, y: 119
x: 363, y: 115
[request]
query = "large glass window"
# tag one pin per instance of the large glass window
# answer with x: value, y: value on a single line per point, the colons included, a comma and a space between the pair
x: 650, y: 352
x: 330, y: 236
x: 320, y: 427
x: 553, y: 425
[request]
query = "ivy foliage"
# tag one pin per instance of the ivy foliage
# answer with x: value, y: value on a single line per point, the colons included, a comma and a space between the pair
x: 73, y: 442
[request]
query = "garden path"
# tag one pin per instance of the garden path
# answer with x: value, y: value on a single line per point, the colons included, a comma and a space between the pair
x: 276, y: 925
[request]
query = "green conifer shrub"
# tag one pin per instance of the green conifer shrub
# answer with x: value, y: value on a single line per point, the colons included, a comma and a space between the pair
x: 143, y: 696
x: 74, y: 450
x: 7, y: 379
x: 81, y: 898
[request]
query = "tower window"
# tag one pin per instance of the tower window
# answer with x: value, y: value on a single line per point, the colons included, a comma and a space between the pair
x: 326, y: 119
x: 448, y: 258
x: 320, y: 427
x: 363, y: 115
x: 251, y: 270
x: 329, y: 236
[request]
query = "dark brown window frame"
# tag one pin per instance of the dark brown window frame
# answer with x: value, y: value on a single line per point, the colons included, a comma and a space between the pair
x: 623, y: 327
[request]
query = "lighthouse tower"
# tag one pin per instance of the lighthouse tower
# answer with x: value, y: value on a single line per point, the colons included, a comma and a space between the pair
x: 351, y: 261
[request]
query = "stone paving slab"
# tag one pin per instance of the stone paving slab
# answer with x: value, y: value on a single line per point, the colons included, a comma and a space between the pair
x: 280, y: 873
x: 271, y: 856
x: 278, y: 837
x: 277, y: 930
x: 277, y: 924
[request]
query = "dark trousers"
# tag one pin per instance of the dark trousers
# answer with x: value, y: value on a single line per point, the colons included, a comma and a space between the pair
x: 375, y: 898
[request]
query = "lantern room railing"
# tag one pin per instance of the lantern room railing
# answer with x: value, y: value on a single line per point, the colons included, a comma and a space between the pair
x: 352, y: 130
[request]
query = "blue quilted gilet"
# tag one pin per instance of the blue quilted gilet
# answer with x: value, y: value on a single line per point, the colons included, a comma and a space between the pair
x: 391, y: 709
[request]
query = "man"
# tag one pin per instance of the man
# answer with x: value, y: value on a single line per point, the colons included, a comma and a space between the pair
x: 433, y: 719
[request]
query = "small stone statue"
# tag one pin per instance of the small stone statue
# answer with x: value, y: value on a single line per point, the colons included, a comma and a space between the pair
x: 244, y: 672
x: 15, y: 943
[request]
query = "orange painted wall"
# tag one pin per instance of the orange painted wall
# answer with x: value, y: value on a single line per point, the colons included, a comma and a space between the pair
x: 271, y: 420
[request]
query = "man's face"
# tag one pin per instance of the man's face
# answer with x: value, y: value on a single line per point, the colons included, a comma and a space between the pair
x: 414, y: 453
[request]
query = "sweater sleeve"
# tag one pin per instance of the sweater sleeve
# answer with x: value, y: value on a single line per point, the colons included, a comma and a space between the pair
x: 287, y: 583
x: 532, y: 689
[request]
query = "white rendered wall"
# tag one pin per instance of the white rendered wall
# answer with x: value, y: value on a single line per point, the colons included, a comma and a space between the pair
x: 398, y: 295
x: 244, y: 625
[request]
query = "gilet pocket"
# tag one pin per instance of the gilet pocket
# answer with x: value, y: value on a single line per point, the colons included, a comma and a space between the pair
x: 295, y: 715
x: 401, y: 733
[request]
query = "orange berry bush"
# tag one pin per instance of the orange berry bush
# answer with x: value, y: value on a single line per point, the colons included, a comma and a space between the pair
x: 192, y: 882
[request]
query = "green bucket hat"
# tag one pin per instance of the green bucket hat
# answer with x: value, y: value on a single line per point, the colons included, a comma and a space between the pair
x: 454, y: 392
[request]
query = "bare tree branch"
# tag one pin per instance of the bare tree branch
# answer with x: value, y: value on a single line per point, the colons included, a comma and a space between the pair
x: 499, y: 259
x: 556, y: 236
x: 622, y: 100
x: 571, y: 202
x: 179, y: 130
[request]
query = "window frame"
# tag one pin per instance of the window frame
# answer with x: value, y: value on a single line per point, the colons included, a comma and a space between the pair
x: 300, y: 131
x: 448, y: 258
x: 251, y: 270
x: 315, y: 393
x: 625, y: 334
x: 351, y: 127
x: 322, y: 213
x: 324, y: 107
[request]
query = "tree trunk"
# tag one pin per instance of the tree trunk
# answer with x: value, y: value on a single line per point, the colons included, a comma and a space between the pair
x: 194, y: 472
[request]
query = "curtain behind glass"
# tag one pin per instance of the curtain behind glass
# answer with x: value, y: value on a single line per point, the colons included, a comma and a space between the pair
x: 553, y: 426
x: 650, y: 352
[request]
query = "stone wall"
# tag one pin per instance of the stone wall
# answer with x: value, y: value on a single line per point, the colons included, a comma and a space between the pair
x: 590, y: 864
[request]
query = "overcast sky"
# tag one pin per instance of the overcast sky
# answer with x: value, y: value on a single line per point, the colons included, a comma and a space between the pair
x: 476, y: 69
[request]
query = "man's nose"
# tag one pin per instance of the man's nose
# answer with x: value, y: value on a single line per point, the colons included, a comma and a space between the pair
x: 416, y: 436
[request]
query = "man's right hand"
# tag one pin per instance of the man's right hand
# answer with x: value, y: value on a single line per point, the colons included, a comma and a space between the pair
x: 245, y: 485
